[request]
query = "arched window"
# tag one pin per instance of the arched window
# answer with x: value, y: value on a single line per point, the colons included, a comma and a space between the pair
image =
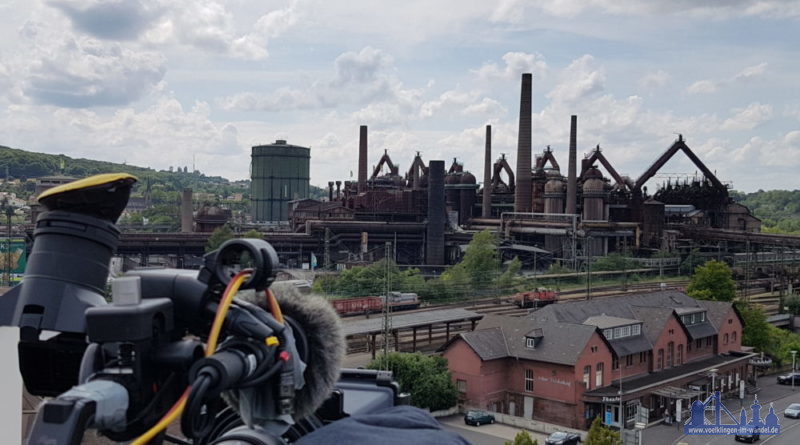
x: 725, y: 339
x: 660, y: 361
x: 587, y: 376
x: 598, y: 375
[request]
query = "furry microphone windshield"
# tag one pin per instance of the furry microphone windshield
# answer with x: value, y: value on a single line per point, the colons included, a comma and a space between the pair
x: 323, y: 331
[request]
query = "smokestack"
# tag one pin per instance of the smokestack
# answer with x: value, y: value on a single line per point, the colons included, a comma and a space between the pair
x: 572, y: 184
x: 434, y: 233
x: 362, y: 160
x: 186, y: 211
x: 330, y: 190
x: 338, y: 189
x: 487, y: 176
x: 522, y: 196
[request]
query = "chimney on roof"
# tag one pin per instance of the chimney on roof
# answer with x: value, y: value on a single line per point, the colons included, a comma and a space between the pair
x: 486, y: 204
x: 362, y: 159
x: 523, y: 196
x: 572, y: 182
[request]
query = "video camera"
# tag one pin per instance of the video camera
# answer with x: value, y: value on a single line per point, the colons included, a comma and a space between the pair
x: 172, y: 343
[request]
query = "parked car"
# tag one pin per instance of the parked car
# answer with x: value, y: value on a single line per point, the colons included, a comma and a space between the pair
x: 786, y: 379
x: 478, y: 418
x: 747, y: 437
x: 792, y: 411
x: 562, y: 438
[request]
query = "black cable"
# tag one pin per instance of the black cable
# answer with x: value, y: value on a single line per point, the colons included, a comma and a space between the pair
x: 195, y: 423
x: 265, y: 376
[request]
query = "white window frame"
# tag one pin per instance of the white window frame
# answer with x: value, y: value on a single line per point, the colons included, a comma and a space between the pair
x: 530, y: 342
x: 598, y: 375
x: 637, y: 329
x: 617, y: 332
x: 608, y: 333
x: 529, y: 380
x: 625, y: 331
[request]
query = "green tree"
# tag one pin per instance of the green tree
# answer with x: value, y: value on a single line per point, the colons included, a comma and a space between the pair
x: 793, y: 304
x: 219, y: 236
x: 425, y: 377
x: 505, y: 282
x: 712, y: 281
x: 480, y: 264
x: 756, y: 327
x: 522, y: 438
x: 600, y: 434
x: 253, y: 233
x: 614, y: 261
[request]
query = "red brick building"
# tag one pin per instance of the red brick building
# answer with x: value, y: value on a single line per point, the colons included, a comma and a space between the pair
x: 563, y: 363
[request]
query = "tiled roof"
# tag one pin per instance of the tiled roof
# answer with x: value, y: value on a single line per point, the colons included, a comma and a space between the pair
x: 487, y: 343
x: 604, y: 321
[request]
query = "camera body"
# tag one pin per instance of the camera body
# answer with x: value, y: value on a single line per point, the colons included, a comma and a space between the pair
x: 122, y: 365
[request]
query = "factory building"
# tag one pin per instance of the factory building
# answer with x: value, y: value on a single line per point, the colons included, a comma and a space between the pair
x: 590, y: 212
x: 279, y: 174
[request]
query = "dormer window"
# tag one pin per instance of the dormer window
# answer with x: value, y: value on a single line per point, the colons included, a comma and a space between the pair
x: 637, y: 329
x: 622, y: 331
x: 533, y: 337
x: 693, y: 318
x: 530, y: 342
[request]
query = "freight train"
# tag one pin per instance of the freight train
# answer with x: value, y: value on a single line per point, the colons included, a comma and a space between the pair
x: 398, y: 301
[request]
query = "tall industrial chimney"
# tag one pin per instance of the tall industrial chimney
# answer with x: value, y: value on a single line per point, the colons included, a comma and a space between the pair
x: 434, y: 234
x: 486, y: 205
x: 522, y: 196
x: 572, y: 184
x: 186, y: 211
x: 362, y: 159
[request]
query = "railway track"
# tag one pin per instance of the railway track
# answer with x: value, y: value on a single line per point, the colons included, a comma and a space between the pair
x: 429, y: 341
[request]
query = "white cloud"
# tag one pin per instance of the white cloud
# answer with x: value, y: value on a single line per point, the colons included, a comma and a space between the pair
x: 748, y: 118
x: 581, y: 79
x: 751, y: 72
x: 654, y: 80
x: 515, y: 63
x: 83, y: 72
x: 703, y: 87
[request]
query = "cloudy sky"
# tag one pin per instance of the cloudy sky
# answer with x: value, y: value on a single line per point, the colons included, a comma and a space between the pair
x: 161, y: 83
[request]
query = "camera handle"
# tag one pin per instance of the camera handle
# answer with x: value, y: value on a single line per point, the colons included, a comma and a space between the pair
x: 96, y: 404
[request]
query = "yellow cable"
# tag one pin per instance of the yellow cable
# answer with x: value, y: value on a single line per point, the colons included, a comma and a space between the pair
x: 211, y: 346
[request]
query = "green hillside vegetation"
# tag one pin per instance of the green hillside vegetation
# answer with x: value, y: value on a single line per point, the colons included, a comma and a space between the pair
x: 779, y: 210
x: 163, y: 187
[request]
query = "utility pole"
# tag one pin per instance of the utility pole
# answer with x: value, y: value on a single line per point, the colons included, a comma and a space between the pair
x: 387, y: 308
x: 746, y: 269
x: 588, y: 252
x: 794, y: 354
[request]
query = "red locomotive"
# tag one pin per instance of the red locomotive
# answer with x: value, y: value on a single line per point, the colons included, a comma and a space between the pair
x: 535, y: 298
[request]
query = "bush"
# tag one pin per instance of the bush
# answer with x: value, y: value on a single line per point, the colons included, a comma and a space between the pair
x: 425, y: 377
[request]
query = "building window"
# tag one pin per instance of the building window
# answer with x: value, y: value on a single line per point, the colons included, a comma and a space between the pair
x: 637, y: 329
x: 725, y: 339
x: 625, y: 331
x: 709, y: 341
x: 699, y: 343
x: 671, y: 331
x: 660, y: 362
x: 608, y: 333
x: 529, y: 380
x: 730, y: 321
x: 594, y: 348
x: 702, y: 316
x: 617, y: 332
x: 461, y: 385
x: 642, y: 357
x: 614, y: 362
x: 670, y: 352
x: 629, y: 360
x: 598, y: 375
x: 530, y: 343
x: 680, y: 355
x: 733, y: 336
x: 587, y: 376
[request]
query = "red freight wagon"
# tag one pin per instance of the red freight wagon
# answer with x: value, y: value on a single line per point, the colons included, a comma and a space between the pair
x: 358, y: 305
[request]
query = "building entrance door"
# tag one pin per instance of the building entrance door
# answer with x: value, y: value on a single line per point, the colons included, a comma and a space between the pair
x: 512, y: 409
x: 528, y: 408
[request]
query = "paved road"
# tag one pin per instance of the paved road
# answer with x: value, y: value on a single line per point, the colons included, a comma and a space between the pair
x: 778, y: 395
x: 495, y: 434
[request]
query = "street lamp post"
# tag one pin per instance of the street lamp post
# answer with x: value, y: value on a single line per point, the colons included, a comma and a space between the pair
x: 794, y: 354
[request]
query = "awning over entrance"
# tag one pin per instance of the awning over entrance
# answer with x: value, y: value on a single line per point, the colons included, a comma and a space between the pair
x: 673, y: 392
